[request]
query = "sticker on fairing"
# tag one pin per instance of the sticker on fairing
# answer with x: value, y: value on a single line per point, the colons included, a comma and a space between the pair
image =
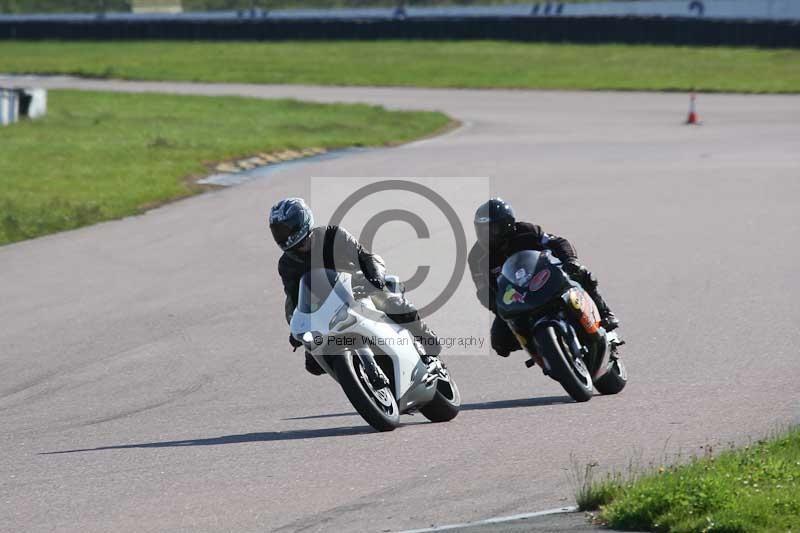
x: 512, y: 296
x: 575, y: 299
x: 590, y: 315
x: 539, y: 280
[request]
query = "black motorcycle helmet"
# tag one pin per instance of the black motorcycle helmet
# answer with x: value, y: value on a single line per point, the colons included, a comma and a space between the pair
x: 290, y: 221
x: 494, y: 220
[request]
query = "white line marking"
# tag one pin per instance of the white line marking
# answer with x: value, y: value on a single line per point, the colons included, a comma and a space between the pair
x: 495, y: 520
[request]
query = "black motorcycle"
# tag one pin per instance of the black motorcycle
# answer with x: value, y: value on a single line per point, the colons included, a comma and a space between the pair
x: 558, y: 324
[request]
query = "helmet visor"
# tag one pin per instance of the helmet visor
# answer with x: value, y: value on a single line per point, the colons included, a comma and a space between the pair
x: 483, y: 230
x: 281, y: 233
x: 489, y: 232
x: 287, y: 235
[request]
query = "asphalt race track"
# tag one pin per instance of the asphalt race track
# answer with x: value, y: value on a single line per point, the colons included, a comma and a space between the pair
x: 147, y: 384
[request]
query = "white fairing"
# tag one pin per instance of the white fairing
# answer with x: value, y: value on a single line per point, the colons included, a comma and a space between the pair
x: 336, y: 317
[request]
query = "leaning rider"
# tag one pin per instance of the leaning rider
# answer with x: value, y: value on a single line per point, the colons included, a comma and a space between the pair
x: 292, y: 226
x: 499, y: 237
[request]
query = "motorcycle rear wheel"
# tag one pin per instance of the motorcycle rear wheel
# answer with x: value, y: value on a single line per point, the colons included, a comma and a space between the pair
x: 613, y: 381
x: 571, y: 373
x: 445, y: 404
x: 377, y: 407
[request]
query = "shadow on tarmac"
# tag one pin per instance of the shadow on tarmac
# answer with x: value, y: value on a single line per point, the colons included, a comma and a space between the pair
x: 268, y: 436
x: 482, y: 406
x: 521, y: 402
x: 300, y: 434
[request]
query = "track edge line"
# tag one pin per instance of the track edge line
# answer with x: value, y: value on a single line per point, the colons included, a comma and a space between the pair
x: 494, y: 520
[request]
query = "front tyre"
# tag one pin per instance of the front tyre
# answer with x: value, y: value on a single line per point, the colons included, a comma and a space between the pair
x: 614, y: 380
x: 377, y: 407
x: 446, y: 402
x: 571, y: 372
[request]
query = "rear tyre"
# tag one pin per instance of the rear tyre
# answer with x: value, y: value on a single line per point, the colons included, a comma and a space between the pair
x: 377, y: 407
x: 614, y: 380
x: 570, y: 372
x: 445, y: 404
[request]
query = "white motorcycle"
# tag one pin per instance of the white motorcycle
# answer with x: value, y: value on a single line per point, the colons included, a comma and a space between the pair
x: 362, y: 349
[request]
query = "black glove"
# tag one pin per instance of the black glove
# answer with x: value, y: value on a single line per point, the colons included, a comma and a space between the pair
x: 581, y: 274
x: 359, y: 292
x: 363, y: 287
x: 294, y: 342
x: 378, y: 283
x: 574, y: 268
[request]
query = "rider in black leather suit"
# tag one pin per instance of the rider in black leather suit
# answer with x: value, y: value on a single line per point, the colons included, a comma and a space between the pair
x: 499, y: 237
x: 306, y: 247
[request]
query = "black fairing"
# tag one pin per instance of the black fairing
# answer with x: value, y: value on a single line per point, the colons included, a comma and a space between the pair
x: 514, y: 290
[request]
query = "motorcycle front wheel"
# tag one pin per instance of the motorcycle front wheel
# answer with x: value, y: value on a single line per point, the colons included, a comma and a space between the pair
x: 570, y: 371
x: 377, y: 407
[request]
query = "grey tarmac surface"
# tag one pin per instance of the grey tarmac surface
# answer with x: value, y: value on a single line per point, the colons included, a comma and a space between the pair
x: 147, y: 383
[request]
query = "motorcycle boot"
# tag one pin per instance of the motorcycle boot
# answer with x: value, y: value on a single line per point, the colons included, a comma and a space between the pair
x: 588, y: 281
x: 608, y: 319
x: 426, y: 337
x: 403, y: 312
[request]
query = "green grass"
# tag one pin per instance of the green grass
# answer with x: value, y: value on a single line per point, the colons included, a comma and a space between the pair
x: 98, y: 156
x: 419, y: 63
x: 753, y: 489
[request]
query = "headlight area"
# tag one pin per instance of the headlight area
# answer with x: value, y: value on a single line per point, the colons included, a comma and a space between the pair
x: 311, y: 339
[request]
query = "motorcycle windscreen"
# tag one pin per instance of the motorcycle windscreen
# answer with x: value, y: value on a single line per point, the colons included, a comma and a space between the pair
x: 528, y: 281
x: 521, y: 266
x: 317, y: 285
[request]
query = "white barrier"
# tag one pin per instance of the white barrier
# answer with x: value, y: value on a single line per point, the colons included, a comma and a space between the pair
x: 722, y: 9
x: 9, y: 106
x: 33, y: 103
x: 16, y: 103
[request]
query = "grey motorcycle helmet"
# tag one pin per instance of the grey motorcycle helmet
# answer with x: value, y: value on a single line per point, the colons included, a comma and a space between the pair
x: 494, y: 220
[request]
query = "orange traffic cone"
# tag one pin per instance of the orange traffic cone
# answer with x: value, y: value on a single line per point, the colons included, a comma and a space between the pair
x: 692, y: 118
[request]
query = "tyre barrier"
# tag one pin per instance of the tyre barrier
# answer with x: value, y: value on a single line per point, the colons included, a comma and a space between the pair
x: 605, y: 29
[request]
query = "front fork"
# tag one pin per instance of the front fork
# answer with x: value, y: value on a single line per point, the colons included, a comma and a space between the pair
x: 528, y: 343
x: 598, y: 355
x: 373, y: 371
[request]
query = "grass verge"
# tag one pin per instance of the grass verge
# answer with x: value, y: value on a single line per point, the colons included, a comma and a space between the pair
x: 756, y: 488
x: 99, y: 156
x: 476, y: 64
